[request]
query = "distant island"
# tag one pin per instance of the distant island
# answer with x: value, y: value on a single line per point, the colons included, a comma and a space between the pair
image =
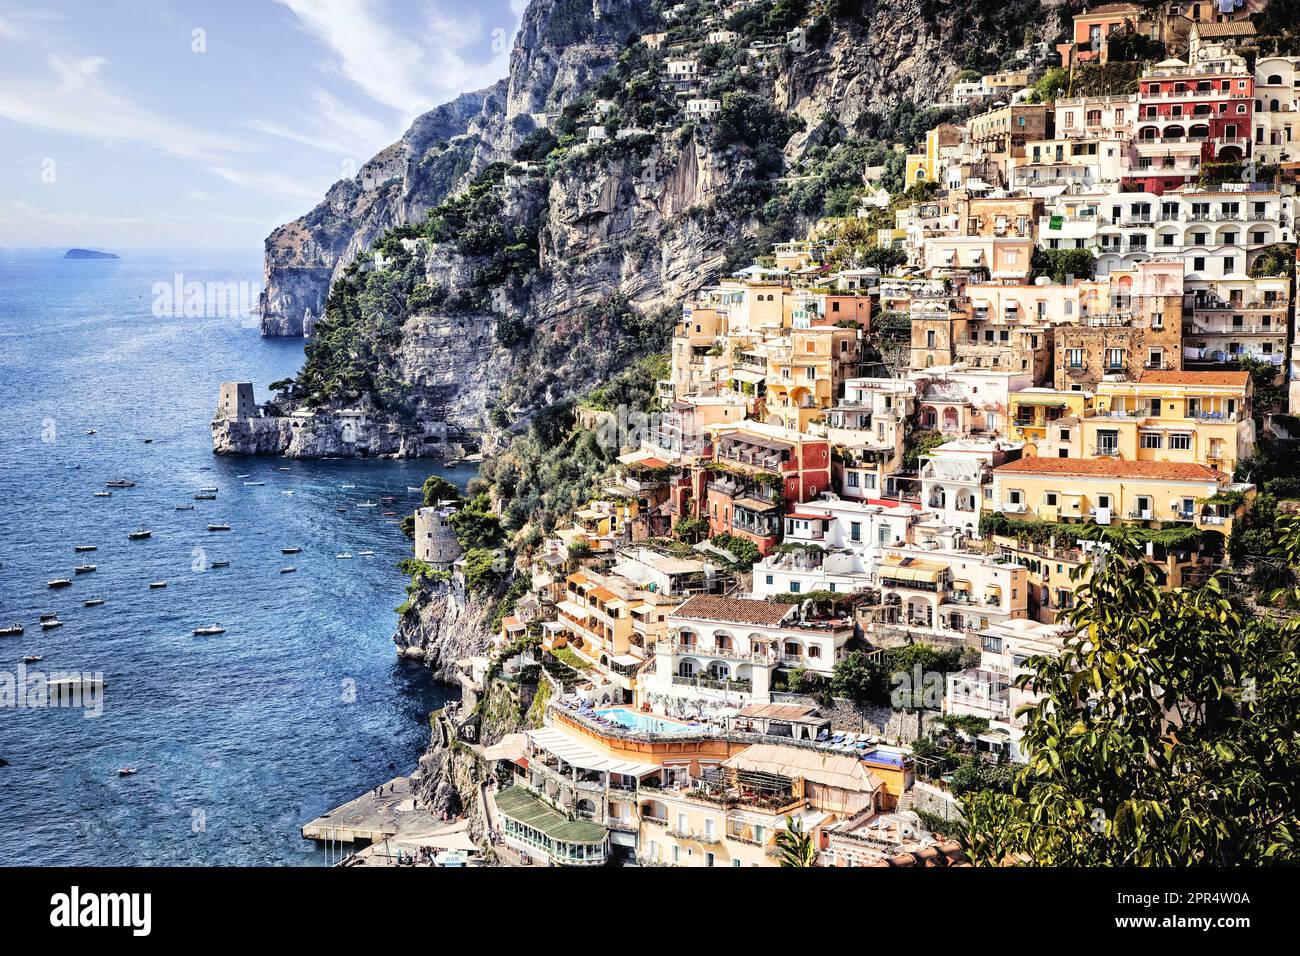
x: 89, y: 254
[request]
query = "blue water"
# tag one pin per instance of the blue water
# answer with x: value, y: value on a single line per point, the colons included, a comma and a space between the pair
x: 238, y: 738
x: 633, y: 720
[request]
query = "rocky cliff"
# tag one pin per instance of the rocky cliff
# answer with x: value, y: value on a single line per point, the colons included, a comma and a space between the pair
x: 606, y: 232
x: 443, y: 624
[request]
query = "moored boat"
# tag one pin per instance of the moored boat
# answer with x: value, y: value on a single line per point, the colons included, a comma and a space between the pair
x: 184, y: 507
x: 51, y: 624
x: 13, y: 630
x: 290, y: 550
x: 58, y: 583
x: 155, y: 585
x: 32, y: 658
x: 289, y: 570
x: 139, y: 534
x: 204, y: 496
x: 103, y: 494
x: 84, y: 568
x: 343, y: 555
x: 205, y: 631
x: 92, y: 602
x: 85, y: 547
x: 219, y: 564
x: 120, y: 483
x: 366, y: 553
x: 218, y: 527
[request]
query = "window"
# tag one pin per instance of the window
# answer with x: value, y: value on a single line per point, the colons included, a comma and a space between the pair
x: 794, y: 587
x: 1152, y: 440
x: 1114, y: 358
x: 1103, y: 501
x: 1180, y: 442
x: 1049, y: 499
x: 1014, y: 496
x: 1065, y: 434
x: 1074, y: 358
x: 852, y: 479
x: 855, y: 531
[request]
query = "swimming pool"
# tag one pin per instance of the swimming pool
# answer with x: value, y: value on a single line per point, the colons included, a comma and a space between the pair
x: 885, y: 757
x: 646, y: 723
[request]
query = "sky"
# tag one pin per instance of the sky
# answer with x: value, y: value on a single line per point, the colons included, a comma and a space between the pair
x: 207, y: 123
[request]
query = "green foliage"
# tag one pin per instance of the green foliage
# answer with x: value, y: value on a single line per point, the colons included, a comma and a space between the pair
x: 920, y: 443
x: 437, y: 488
x: 476, y: 526
x: 753, y: 124
x: 1275, y: 260
x: 1050, y: 85
x: 690, y: 529
x: 1165, y: 736
x: 795, y: 846
x: 1059, y: 264
x: 483, y: 570
x: 742, y: 549
x: 859, y: 677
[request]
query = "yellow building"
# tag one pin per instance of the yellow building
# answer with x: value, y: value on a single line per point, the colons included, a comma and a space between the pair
x: 1173, y: 416
x: 731, y: 815
x: 1114, y: 491
x: 926, y: 164
x: 804, y: 374
x: 1032, y: 413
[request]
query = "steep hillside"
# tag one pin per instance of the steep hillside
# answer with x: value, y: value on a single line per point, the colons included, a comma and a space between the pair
x: 572, y: 205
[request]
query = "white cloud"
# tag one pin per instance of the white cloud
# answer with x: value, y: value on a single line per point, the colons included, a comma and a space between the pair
x: 27, y: 224
x: 334, y: 127
x: 78, y: 102
x: 275, y: 184
x: 380, y: 57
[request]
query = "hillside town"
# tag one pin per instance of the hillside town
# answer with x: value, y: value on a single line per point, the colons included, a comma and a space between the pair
x: 884, y: 442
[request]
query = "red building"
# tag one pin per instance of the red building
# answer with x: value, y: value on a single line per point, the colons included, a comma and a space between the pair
x: 1189, y: 116
x: 755, y: 472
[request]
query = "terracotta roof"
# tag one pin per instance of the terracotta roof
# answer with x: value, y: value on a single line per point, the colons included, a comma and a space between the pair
x: 713, y: 607
x: 1109, y: 8
x: 947, y: 853
x: 1233, y: 28
x: 1234, y: 379
x: 1111, y: 468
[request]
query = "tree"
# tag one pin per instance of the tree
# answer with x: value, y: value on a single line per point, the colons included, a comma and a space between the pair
x: 438, y: 488
x: 858, y: 677
x: 1060, y: 264
x: 1165, y: 734
x: 796, y: 846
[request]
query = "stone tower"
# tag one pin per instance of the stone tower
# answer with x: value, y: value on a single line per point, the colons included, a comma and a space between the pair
x: 435, y: 542
x: 236, y: 402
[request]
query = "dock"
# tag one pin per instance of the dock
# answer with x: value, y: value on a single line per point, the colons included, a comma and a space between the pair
x: 388, y: 830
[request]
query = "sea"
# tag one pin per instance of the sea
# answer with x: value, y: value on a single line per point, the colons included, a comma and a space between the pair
x: 237, y: 738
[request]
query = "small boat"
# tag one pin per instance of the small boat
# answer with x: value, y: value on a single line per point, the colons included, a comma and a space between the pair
x: 365, y: 554
x: 148, y: 441
x: 219, y: 564
x: 290, y: 550
x: 209, y: 489
x: 205, y: 497
x: 286, y: 492
x: 58, y: 583
x: 390, y: 514
x: 252, y: 484
x: 126, y: 771
x: 91, y: 431
x: 13, y: 630
x: 348, y: 487
x: 86, y: 547
x: 103, y: 494
x: 139, y: 534
x: 416, y: 491
x: 120, y: 483
x: 184, y: 507
x: 92, y: 602
x: 387, y: 499
x: 367, y: 504
x: 243, y: 476
x: 32, y: 658
x: 289, y: 570
x: 340, y: 508
x: 155, y: 585
x: 282, y: 469
x: 49, y: 615
x: 205, y: 631
x: 218, y: 527
x: 84, y: 568
x: 343, y: 554
x: 51, y: 623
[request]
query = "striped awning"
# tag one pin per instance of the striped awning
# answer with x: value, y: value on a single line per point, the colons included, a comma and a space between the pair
x: 579, y: 755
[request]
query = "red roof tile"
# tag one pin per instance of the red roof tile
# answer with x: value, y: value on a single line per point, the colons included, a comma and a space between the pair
x: 1111, y: 468
x: 712, y: 607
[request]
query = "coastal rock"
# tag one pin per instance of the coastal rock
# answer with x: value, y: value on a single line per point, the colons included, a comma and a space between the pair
x: 444, y: 624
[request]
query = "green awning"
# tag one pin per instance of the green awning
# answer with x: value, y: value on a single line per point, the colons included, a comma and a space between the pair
x: 520, y: 805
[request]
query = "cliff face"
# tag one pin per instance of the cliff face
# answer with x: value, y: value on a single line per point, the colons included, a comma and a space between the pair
x: 444, y: 624
x: 396, y: 186
x: 641, y: 222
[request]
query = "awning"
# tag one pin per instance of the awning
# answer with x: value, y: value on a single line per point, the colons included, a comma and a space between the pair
x: 574, y: 610
x: 744, y: 375
x: 753, y: 504
x: 909, y: 574
x: 579, y: 755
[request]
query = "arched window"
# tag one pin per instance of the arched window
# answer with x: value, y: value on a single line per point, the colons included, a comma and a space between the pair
x: 686, y: 669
